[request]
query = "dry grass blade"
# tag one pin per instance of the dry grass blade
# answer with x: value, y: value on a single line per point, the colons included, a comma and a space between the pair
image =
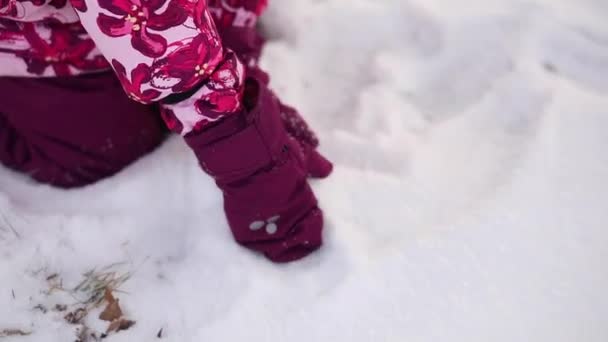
x: 95, y: 283
x: 41, y: 308
x: 97, y: 286
x: 13, y: 332
x: 6, y: 224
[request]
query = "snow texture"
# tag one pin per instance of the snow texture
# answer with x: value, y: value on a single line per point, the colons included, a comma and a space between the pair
x: 469, y: 200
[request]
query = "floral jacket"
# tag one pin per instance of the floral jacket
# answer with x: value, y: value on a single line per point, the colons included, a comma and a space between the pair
x: 157, y: 48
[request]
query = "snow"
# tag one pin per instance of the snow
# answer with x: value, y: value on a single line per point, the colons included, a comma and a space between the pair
x: 469, y: 200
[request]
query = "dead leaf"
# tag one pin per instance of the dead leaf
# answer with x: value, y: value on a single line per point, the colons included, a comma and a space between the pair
x: 112, y: 312
x: 126, y: 324
x: 119, y: 325
x: 108, y: 296
x: 113, y: 326
x: 75, y: 317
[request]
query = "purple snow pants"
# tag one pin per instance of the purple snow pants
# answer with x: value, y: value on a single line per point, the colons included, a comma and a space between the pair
x: 73, y: 131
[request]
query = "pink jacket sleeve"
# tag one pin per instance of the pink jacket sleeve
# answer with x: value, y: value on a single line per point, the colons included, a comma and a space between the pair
x: 160, y: 48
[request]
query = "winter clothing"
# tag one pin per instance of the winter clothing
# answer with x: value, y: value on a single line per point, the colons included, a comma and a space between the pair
x: 71, y: 131
x: 268, y: 202
x: 157, y: 48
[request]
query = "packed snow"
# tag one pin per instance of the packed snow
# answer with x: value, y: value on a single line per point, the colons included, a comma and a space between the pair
x: 469, y: 200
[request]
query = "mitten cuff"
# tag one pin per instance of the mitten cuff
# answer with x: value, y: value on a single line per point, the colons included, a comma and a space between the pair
x: 244, y: 143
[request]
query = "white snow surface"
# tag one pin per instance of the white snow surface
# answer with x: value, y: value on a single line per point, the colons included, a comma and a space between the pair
x: 469, y: 200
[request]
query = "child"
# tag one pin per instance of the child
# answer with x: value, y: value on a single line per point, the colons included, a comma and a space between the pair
x: 65, y: 120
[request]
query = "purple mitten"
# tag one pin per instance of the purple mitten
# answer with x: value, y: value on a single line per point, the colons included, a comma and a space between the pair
x: 247, y: 43
x: 261, y: 171
x: 317, y: 166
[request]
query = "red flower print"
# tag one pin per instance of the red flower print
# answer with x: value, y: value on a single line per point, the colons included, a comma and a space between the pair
x: 188, y: 63
x: 202, y: 18
x: 228, y: 13
x: 223, y: 91
x: 217, y: 103
x: 79, y: 5
x: 139, y: 76
x: 171, y: 120
x: 55, y: 3
x: 10, y: 30
x: 64, y: 50
x: 255, y: 6
x: 34, y: 2
x: 58, y: 3
x: 139, y: 16
x: 9, y: 8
